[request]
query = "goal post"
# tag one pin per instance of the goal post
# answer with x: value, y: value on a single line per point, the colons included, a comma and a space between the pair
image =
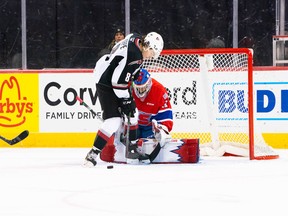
x: 224, y: 78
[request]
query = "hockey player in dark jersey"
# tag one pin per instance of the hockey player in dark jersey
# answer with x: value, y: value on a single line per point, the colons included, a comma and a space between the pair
x: 113, y: 75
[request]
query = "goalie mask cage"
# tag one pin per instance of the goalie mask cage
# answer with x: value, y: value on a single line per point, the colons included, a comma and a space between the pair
x: 237, y: 134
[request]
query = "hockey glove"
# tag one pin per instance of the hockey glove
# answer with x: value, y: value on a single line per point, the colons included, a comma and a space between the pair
x: 161, y: 133
x: 127, y: 106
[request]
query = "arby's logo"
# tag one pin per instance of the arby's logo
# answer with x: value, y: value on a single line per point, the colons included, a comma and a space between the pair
x: 13, y: 105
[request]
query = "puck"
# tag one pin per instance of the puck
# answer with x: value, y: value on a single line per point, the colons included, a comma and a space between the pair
x: 110, y: 167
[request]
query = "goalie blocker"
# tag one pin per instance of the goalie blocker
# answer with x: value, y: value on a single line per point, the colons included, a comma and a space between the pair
x: 176, y: 151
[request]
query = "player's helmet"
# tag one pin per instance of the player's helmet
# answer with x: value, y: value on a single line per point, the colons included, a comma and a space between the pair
x: 155, y: 42
x: 142, y: 84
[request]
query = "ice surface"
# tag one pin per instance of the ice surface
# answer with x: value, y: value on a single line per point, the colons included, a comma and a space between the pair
x: 46, y: 182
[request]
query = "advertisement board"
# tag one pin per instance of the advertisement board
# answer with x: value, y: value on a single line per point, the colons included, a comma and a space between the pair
x: 46, y: 105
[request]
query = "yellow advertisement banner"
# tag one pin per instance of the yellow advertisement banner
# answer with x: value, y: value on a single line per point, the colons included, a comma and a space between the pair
x: 19, y: 103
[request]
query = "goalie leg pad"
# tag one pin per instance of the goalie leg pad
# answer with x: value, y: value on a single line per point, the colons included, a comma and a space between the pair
x: 188, y: 150
x: 176, y: 151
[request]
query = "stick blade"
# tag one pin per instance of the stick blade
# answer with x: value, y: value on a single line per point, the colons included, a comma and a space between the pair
x: 20, y: 137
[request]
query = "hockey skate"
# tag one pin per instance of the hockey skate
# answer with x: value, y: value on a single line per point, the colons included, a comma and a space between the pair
x: 90, y: 160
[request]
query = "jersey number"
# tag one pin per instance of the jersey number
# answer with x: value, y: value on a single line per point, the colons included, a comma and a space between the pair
x: 127, y: 79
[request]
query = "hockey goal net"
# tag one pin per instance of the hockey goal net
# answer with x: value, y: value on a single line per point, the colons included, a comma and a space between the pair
x: 223, y: 89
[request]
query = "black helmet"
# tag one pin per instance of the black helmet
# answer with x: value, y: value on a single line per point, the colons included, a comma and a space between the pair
x: 119, y: 30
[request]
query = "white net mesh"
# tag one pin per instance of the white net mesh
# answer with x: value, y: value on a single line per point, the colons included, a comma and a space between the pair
x: 218, y: 68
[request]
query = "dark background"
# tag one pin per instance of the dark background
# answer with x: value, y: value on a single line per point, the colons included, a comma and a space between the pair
x: 70, y: 33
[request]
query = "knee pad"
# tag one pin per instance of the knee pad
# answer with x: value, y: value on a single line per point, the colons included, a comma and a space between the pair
x: 111, y: 125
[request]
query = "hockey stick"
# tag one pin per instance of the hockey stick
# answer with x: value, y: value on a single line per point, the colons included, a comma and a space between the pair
x: 127, y: 135
x: 17, y: 139
x: 88, y: 107
x: 128, y: 154
x: 132, y: 155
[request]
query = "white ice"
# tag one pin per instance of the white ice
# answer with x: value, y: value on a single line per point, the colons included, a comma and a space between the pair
x: 46, y: 182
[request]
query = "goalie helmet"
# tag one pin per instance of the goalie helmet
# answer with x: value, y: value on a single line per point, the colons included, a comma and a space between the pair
x: 142, y: 84
x: 155, y: 42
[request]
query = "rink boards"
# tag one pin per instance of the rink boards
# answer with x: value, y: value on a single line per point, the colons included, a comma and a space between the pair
x: 44, y: 102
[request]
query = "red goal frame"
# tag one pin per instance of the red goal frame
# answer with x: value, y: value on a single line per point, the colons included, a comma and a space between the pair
x: 249, y: 53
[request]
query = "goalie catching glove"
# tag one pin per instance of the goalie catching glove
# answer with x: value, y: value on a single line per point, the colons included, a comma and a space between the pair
x: 161, y: 133
x: 127, y: 106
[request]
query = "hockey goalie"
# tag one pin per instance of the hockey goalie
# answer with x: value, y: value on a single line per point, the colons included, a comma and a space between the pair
x: 153, y: 150
x: 147, y: 134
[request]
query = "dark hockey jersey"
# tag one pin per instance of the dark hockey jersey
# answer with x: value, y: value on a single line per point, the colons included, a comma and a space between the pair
x: 115, y: 70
